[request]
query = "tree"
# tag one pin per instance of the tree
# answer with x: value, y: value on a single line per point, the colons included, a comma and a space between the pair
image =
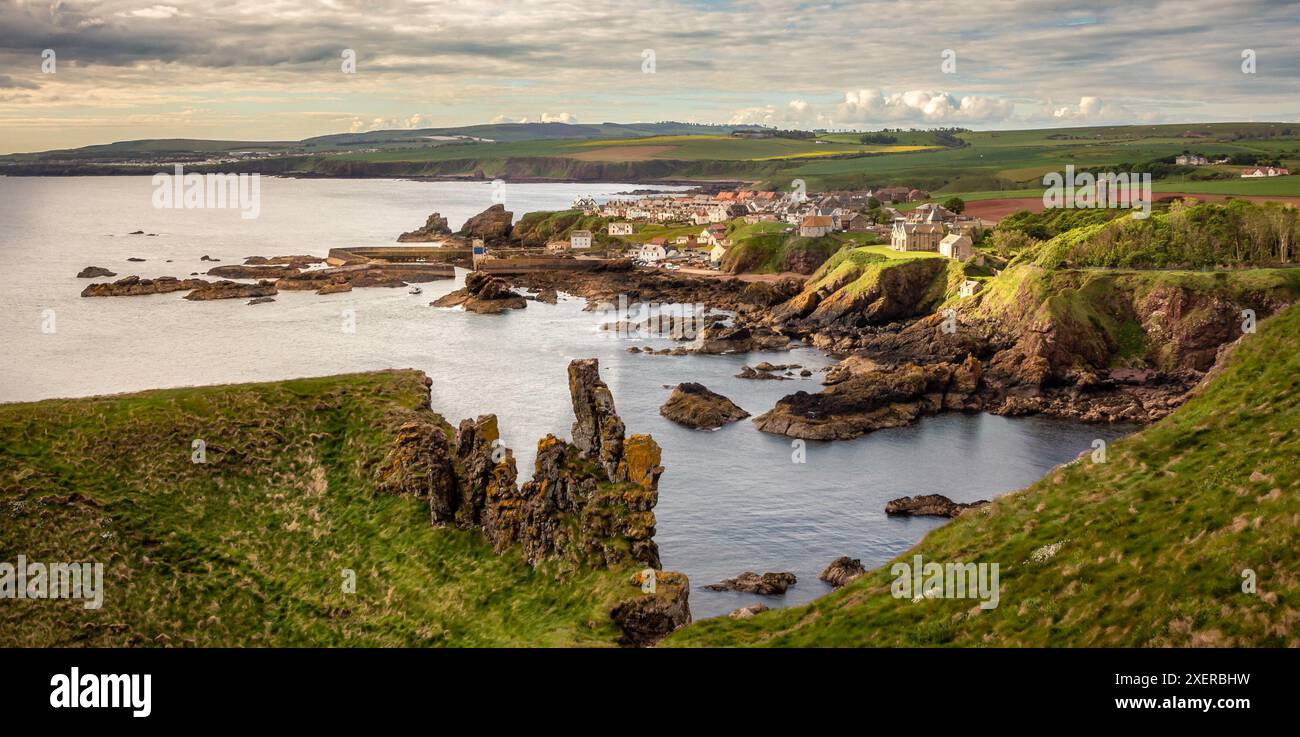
x: 955, y: 204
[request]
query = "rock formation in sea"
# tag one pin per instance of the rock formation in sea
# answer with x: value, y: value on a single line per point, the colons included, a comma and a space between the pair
x: 484, y: 294
x: 694, y: 405
x: 231, y: 290
x: 434, y: 229
x: 842, y: 570
x: 93, y: 272
x: 493, y: 225
x: 929, y: 505
x: 588, y: 504
x: 134, y: 285
x: 767, y: 584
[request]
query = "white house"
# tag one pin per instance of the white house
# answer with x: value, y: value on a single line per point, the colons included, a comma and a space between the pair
x: 815, y: 226
x: 969, y: 287
x: 915, y: 236
x: 716, y: 254
x: 656, y: 250
x: 956, y: 245
x: 580, y: 239
x: 620, y: 228
x: 1270, y: 171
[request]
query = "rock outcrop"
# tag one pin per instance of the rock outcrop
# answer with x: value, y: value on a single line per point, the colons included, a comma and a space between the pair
x: 694, y: 405
x: 492, y: 225
x: 841, y: 571
x: 434, y: 229
x: 298, y: 261
x: 94, y: 272
x: 236, y: 271
x: 874, y: 400
x: 746, y: 612
x: 768, y: 584
x: 929, y: 505
x: 483, y: 294
x: 231, y: 290
x: 134, y: 285
x: 720, y: 338
x: 588, y: 504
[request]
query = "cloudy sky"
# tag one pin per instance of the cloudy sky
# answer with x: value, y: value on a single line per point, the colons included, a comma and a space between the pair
x: 273, y: 69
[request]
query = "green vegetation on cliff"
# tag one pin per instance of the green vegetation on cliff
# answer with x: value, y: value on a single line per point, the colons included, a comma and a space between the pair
x: 253, y: 546
x: 1150, y: 548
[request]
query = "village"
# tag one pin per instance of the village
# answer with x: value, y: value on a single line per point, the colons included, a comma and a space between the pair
x: 886, y: 215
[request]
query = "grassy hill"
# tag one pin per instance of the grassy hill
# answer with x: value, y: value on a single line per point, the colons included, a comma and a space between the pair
x: 250, y: 548
x: 1146, y: 549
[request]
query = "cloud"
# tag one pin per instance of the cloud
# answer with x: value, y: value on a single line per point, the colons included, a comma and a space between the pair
x: 874, y: 106
x: 796, y: 112
x: 153, y: 11
x: 568, y: 118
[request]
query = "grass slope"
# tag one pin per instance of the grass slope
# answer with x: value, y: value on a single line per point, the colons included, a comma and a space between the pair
x: 1152, y: 543
x: 249, y: 548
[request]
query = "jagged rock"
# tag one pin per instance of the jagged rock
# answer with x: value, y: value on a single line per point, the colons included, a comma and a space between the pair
x: 231, y: 290
x: 768, y: 584
x: 693, y: 405
x: 767, y: 294
x: 746, y: 612
x: 597, y: 429
x: 236, y: 271
x: 648, y: 618
x: 134, y: 285
x: 93, y: 272
x: 841, y: 571
x: 261, y: 300
x: 748, y: 372
x: 873, y: 400
x: 483, y: 294
x: 549, y: 296
x: 434, y: 229
x: 420, y: 465
x: 492, y: 225
x: 719, y: 338
x: 929, y: 505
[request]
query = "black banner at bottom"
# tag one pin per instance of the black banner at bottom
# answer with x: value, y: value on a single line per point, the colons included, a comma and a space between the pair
x: 221, y: 688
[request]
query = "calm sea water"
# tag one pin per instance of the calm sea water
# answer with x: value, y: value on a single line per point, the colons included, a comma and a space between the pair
x: 731, y: 500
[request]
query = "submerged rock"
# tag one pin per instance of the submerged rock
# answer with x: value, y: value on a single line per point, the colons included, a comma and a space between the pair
x: 929, y: 505
x: 768, y: 584
x: 694, y: 405
x: 261, y: 300
x: 842, y: 570
x: 236, y: 271
x: 231, y: 290
x: 92, y: 272
x: 720, y: 338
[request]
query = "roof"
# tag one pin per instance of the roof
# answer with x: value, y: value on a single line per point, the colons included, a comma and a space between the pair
x: 817, y: 221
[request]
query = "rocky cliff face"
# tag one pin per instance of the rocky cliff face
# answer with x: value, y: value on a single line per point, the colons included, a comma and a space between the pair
x: 589, y: 503
x: 493, y: 225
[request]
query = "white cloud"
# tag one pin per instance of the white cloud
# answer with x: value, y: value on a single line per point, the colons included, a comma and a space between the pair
x: 919, y: 106
x: 796, y: 112
x: 153, y: 11
x: 568, y: 118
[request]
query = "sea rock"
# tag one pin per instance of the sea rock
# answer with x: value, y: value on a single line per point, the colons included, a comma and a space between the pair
x: 134, y: 285
x: 434, y: 229
x: 206, y: 257
x: 597, y: 429
x: 842, y: 570
x: 483, y: 294
x: 874, y: 400
x: 261, y: 300
x: 929, y: 505
x: 693, y: 405
x: 136, y: 259
x: 93, y: 272
x: 492, y: 225
x: 297, y: 261
x: 749, y: 372
x: 768, y: 584
x: 649, y: 617
x: 719, y: 338
x: 547, y: 296
x: 748, y: 611
x: 235, y: 271
x: 231, y: 290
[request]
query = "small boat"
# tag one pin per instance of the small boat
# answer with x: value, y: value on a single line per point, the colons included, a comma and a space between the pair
x: 415, y: 290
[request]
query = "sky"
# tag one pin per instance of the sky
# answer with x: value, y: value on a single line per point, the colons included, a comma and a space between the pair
x: 79, y: 72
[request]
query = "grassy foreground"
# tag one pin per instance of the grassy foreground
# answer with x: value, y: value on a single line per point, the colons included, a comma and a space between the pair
x: 1153, y: 547
x: 251, y: 547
